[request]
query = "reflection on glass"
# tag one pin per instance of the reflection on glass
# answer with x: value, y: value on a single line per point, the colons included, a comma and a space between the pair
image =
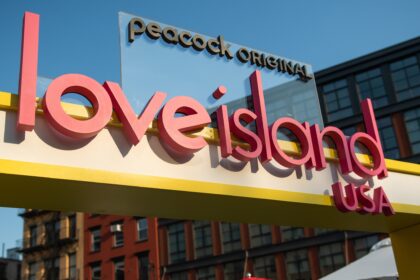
x: 149, y: 65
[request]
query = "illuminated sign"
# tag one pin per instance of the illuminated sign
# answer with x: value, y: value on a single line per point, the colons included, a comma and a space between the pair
x: 183, y: 114
x: 216, y: 150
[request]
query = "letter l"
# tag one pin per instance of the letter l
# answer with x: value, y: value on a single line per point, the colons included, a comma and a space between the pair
x: 260, y: 111
x: 28, y: 72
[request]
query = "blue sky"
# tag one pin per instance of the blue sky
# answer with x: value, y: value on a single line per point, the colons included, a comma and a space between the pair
x: 82, y: 36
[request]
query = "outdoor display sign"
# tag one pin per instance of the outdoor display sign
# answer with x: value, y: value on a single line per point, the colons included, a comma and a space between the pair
x: 199, y: 128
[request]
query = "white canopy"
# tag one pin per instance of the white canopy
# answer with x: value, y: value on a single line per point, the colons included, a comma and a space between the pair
x: 379, y: 264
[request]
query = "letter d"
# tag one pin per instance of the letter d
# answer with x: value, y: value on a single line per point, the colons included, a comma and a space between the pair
x: 372, y: 142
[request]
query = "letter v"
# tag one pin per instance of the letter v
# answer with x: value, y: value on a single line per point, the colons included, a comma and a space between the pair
x: 134, y: 127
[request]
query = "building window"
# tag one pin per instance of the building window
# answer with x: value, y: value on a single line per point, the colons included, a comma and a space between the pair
x: 337, y: 100
x: 176, y: 238
x: 259, y: 235
x: 206, y: 273
x: 142, y: 229
x: 72, y: 226
x: 119, y: 269
x: 52, y: 230
x: 179, y: 276
x: 349, y: 131
x: 33, y: 236
x: 202, y: 239
x: 406, y: 78
x: 231, y: 237
x: 371, y: 85
x: 95, y: 240
x: 33, y: 269
x: 72, y: 266
x: 362, y: 245
x: 233, y: 270
x: 95, y: 271
x: 143, y: 262
x: 412, y: 123
x: 388, y: 138
x: 52, y: 269
x: 331, y: 258
x: 297, y: 265
x: 320, y: 231
x: 118, y: 234
x: 291, y: 233
x: 265, y: 267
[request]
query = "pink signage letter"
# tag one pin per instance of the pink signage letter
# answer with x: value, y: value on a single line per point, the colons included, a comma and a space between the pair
x: 372, y: 142
x: 245, y: 134
x: 340, y: 142
x: 171, y: 127
x: 224, y: 131
x: 302, y: 134
x: 261, y: 112
x: 28, y: 72
x: 348, y: 203
x: 134, y: 127
x: 91, y: 90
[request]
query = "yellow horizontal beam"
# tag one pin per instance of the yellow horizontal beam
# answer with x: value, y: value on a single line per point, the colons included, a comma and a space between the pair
x: 45, y: 186
x: 9, y: 101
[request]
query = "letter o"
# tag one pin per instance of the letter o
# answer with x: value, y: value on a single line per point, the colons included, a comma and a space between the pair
x: 198, y: 43
x: 92, y: 91
x: 243, y: 55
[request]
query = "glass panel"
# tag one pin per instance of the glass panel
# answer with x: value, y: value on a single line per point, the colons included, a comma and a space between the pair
x: 297, y: 265
x: 388, y: 138
x: 149, y: 65
x: 412, y: 123
x: 233, y: 271
x: 260, y: 235
x: 320, y: 231
x: 143, y: 265
x: 176, y: 242
x: 406, y: 78
x: 142, y: 229
x: 202, y: 239
x: 362, y: 245
x: 331, y: 257
x: 179, y: 276
x: 72, y: 266
x: 265, y: 267
x: 119, y: 273
x: 231, y: 237
x: 95, y: 240
x: 291, y: 233
x: 118, y: 234
x: 370, y: 85
x: 72, y: 226
x: 95, y: 272
x: 337, y: 100
x: 206, y: 273
x: 33, y: 270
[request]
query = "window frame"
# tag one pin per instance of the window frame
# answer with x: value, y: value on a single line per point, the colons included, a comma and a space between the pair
x: 95, y: 240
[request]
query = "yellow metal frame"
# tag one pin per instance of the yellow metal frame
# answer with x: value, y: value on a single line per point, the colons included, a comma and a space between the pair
x: 79, y: 176
x: 44, y: 186
x: 54, y: 174
x: 9, y: 101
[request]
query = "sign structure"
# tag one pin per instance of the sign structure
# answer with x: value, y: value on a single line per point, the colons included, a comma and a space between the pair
x: 191, y: 155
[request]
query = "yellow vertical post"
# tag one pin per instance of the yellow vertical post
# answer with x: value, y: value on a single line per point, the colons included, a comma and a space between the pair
x: 406, y: 246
